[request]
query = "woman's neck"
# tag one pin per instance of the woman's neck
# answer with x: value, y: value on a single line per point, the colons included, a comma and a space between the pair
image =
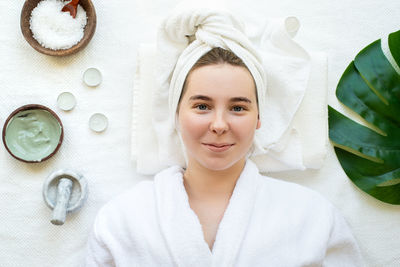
x: 203, y: 183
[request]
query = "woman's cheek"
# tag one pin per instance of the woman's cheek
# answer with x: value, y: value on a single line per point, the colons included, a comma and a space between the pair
x: 193, y: 123
x: 244, y: 127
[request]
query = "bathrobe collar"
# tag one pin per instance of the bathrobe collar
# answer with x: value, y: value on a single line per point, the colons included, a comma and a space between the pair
x: 181, y: 227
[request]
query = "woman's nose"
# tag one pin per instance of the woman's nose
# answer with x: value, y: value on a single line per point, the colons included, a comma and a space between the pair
x: 219, y: 124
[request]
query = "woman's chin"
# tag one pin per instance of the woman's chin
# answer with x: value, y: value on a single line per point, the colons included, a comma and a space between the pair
x: 218, y: 164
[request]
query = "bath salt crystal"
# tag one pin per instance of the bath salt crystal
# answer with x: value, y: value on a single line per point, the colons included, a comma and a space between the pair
x: 55, y: 29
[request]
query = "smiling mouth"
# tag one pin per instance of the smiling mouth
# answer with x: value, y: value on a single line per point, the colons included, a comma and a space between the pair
x: 218, y: 147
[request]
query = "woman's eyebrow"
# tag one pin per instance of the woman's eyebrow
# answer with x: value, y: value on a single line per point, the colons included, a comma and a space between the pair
x: 240, y: 99
x: 200, y: 97
x: 207, y: 98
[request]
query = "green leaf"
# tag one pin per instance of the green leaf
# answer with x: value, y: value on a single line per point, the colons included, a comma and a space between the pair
x: 394, y: 44
x: 370, y: 156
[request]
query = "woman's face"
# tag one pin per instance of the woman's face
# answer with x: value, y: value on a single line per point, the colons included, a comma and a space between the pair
x: 218, y: 116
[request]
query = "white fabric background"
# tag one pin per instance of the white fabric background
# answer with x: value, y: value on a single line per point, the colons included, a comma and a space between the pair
x: 27, y: 238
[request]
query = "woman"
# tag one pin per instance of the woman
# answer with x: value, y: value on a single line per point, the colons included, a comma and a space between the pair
x: 219, y: 211
x: 217, y: 117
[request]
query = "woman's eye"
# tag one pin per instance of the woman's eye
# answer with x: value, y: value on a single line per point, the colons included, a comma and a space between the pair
x: 201, y: 107
x: 237, y: 108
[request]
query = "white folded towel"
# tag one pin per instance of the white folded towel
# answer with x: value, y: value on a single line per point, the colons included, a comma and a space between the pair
x: 291, y: 87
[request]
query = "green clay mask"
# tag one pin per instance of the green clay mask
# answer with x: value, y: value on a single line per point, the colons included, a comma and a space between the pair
x: 33, y: 134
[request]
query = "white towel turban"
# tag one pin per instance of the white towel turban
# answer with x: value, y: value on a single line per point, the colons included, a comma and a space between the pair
x: 279, y: 66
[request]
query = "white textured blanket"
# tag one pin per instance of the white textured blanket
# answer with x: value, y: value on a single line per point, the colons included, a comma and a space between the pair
x: 27, y: 238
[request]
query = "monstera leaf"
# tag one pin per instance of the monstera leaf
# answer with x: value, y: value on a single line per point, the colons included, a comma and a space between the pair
x: 370, y: 156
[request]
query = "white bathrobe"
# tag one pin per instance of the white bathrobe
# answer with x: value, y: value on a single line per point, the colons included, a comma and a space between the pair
x: 267, y: 223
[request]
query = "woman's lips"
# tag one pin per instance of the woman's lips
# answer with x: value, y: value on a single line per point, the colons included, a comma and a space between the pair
x: 218, y: 147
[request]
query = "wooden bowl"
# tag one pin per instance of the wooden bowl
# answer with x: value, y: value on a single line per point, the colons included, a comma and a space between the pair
x: 89, y: 30
x: 30, y: 107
